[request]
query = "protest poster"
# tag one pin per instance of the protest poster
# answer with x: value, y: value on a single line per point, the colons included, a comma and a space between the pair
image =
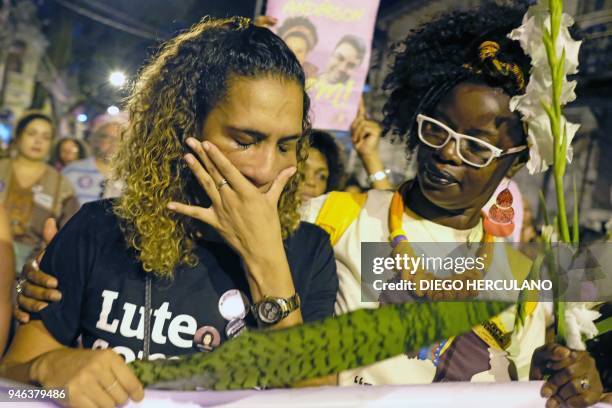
x: 332, y: 40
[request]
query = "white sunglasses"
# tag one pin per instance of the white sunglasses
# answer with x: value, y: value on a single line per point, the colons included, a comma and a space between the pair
x: 470, y: 149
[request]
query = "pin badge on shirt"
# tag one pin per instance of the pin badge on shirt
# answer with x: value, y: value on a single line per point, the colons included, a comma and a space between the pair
x: 207, y: 338
x: 233, y: 305
x: 85, y: 182
x: 234, y: 328
x: 43, y: 200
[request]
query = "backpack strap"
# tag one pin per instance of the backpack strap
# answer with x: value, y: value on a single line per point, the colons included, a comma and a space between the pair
x: 338, y: 212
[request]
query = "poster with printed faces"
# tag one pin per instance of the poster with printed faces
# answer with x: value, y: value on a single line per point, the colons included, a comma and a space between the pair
x: 332, y: 41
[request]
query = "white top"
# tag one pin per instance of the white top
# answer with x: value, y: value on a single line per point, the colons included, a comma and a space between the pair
x: 371, y: 225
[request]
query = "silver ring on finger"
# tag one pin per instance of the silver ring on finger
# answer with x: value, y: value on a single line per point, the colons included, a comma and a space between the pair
x: 585, y: 384
x: 113, y: 385
x: 19, y: 286
x: 222, y: 183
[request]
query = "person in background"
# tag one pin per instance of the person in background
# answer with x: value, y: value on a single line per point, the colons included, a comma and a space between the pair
x: 324, y: 168
x: 345, y: 59
x: 90, y: 177
x: 299, y: 34
x: 30, y: 189
x: 66, y: 151
x: 7, y: 277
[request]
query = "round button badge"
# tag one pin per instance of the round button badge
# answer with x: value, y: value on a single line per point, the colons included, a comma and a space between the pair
x: 233, y: 305
x: 207, y: 338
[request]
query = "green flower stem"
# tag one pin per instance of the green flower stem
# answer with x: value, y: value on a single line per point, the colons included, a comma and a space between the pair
x: 555, y: 116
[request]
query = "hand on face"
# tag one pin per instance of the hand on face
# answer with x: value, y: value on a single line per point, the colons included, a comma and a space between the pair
x: 244, y: 216
x: 573, y: 377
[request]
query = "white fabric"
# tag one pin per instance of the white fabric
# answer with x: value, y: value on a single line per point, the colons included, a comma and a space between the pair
x: 372, y: 226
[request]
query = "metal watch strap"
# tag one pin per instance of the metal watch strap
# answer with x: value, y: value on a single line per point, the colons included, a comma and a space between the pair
x: 292, y: 303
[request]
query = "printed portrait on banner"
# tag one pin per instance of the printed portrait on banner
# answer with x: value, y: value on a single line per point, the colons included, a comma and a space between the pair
x: 332, y: 40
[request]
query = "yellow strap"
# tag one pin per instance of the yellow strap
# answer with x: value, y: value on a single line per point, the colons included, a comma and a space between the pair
x: 338, y: 212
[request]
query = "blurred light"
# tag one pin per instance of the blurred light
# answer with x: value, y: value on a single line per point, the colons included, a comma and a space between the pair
x: 82, y: 117
x: 112, y: 110
x: 117, y: 78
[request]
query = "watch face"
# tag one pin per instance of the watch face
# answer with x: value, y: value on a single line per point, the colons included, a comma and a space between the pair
x: 269, y: 312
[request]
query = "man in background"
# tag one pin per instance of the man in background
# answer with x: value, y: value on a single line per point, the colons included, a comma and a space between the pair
x: 90, y: 176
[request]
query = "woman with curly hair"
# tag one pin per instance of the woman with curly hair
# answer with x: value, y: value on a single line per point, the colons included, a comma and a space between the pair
x: 450, y: 90
x: 207, y: 223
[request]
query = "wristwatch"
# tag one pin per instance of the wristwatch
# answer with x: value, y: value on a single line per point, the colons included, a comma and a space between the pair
x: 272, y: 310
x: 379, y: 175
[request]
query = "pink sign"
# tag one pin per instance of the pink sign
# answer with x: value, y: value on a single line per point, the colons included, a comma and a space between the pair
x: 332, y: 40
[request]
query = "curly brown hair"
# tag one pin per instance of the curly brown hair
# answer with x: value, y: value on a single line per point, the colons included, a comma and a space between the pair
x: 169, y: 103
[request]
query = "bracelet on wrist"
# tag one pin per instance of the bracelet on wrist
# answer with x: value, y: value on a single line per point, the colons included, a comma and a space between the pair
x: 379, y: 175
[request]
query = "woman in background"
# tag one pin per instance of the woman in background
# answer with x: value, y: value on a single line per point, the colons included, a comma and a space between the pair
x: 30, y: 189
x: 66, y: 151
x: 324, y: 168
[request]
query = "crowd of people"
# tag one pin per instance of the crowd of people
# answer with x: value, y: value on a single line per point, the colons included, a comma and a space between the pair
x: 214, y: 205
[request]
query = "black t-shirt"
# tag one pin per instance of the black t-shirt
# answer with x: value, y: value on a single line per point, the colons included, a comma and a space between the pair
x: 103, y: 288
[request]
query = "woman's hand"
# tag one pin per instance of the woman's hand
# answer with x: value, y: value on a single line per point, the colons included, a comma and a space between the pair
x: 365, y: 135
x: 246, y: 218
x: 91, y: 378
x: 573, y: 377
x: 37, y: 288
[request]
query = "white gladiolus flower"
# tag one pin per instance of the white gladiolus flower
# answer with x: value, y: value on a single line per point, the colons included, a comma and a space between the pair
x: 578, y: 324
x: 538, y: 89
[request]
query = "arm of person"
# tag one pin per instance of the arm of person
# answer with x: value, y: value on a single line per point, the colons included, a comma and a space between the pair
x: 39, y: 288
x: 7, y: 277
x: 571, y: 376
x: 247, y: 219
x: 89, y: 377
x: 365, y: 135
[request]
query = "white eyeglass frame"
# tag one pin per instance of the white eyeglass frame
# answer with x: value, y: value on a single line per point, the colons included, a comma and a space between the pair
x: 496, y: 151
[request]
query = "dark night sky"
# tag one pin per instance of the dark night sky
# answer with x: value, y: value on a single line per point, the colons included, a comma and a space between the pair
x: 94, y: 49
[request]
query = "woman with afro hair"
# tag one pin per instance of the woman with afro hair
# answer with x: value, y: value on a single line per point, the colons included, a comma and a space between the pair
x: 450, y: 88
